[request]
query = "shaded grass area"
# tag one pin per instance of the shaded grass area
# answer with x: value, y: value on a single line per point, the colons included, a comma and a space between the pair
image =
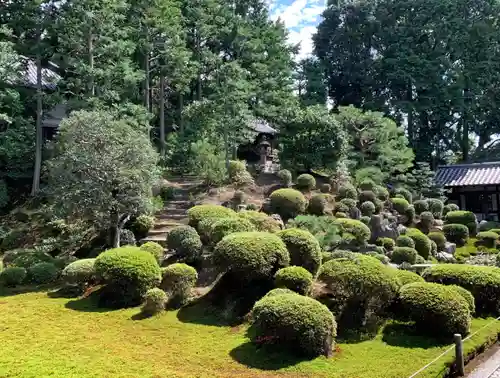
x: 42, y: 336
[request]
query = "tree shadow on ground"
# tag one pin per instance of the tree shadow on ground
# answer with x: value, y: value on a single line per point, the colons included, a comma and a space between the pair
x: 406, y: 335
x: 141, y: 316
x: 263, y: 357
x: 201, y: 312
x: 87, y: 305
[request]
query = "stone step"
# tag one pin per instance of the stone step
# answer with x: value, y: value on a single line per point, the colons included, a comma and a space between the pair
x: 173, y: 210
x: 166, y: 224
x: 174, y: 217
x: 160, y: 231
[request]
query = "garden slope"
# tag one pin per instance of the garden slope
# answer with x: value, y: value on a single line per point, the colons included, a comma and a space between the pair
x: 42, y: 336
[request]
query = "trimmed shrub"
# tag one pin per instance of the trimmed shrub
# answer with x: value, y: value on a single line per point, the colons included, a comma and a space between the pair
x: 200, y: 212
x: 306, y: 182
x: 286, y: 178
x: 460, y: 217
x: 341, y: 207
x: 128, y: 273
x: 436, y: 207
x: 456, y: 233
x: 380, y: 257
x: 251, y: 254
x: 404, y: 254
x: 155, y: 249
x: 363, y: 219
x: 239, y: 198
x: 288, y: 203
x: 387, y: 243
x: 489, y: 226
x: 295, y: 278
x: 450, y: 207
x: 405, y: 277
x: 155, y: 301
x: 410, y: 215
x: 190, y: 249
x: 439, y: 239
x: 127, y: 237
x: 178, y: 281
x: 436, y: 309
x: 79, y: 272
x: 13, y: 276
x: 367, y: 184
x: 279, y: 291
x: 422, y: 242
x: 405, y: 242
x: 488, y: 239
x: 421, y: 206
x: 467, y: 295
x: 367, y: 196
x: 367, y: 208
x: 346, y: 205
x: 340, y: 214
x: 482, y: 281
x: 295, y: 322
x: 400, y: 205
x: 382, y: 193
x: 406, y: 194
x: 238, y: 173
x: 43, y: 273
x: 358, y: 229
x: 262, y: 222
x: 253, y: 207
x: 141, y: 225
x: 426, y: 220
x: 303, y: 247
x: 226, y: 226
x: 318, y: 205
x: 176, y: 241
x: 325, y: 188
x: 347, y: 191
x: 27, y: 258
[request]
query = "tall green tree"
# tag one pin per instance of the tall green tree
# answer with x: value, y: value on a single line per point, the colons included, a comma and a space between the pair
x: 310, y: 82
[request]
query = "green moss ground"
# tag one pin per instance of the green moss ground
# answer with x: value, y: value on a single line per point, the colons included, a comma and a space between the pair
x: 56, y: 337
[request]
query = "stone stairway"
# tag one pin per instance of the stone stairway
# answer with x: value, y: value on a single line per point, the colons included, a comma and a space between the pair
x: 174, y: 212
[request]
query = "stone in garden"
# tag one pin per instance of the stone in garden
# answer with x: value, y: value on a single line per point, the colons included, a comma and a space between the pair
x: 355, y: 213
x: 445, y: 257
x: 450, y: 248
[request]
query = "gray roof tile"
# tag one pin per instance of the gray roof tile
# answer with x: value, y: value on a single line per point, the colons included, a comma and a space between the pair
x: 469, y: 174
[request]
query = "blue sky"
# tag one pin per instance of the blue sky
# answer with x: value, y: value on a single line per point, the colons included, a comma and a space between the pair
x: 301, y: 17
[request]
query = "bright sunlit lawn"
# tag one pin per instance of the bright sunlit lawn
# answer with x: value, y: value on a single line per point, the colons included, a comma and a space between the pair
x: 55, y: 337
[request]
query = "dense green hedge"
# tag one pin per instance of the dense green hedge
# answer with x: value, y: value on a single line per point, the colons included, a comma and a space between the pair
x: 251, y: 254
x: 279, y: 291
x: 456, y: 233
x: 450, y: 207
x: 467, y: 218
x: 488, y: 239
x: 439, y: 239
x: 128, y: 273
x: 79, y: 272
x: 346, y: 205
x: 404, y: 255
x: 318, y: 205
x: 13, y: 276
x: 483, y: 282
x: 367, y: 196
x: 436, y: 207
x: 200, y: 212
x: 177, y: 282
x: 141, y: 225
x: 288, y: 203
x: 155, y: 249
x: 43, y: 273
x: 405, y: 241
x: 421, y: 206
x: 261, y: 221
x: 404, y: 193
x: 405, y: 277
x: 295, y: 278
x: 303, y: 247
x: 436, y: 309
x: 27, y: 258
x: 295, y: 322
x: 185, y: 241
x: 422, y: 242
x: 226, y: 226
x: 358, y: 229
x: 467, y: 295
x: 306, y: 182
x: 400, y: 205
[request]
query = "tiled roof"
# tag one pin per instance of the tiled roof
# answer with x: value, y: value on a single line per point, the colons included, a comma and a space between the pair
x: 262, y: 127
x: 469, y: 174
x: 49, y: 77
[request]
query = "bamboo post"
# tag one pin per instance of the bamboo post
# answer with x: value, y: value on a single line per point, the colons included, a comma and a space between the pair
x: 459, y: 355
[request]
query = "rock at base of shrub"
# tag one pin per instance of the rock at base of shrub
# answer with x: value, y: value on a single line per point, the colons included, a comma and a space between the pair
x: 295, y: 278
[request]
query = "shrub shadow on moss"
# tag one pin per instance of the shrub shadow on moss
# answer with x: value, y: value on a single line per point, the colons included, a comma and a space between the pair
x: 263, y: 357
x: 406, y: 335
x: 201, y: 312
x: 11, y: 291
x: 86, y: 305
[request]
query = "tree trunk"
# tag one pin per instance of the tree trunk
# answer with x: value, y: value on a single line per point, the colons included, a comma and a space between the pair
x: 162, y: 116
x: 118, y: 224
x: 39, y: 114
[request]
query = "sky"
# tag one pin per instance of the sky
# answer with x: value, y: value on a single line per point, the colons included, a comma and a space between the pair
x: 301, y: 17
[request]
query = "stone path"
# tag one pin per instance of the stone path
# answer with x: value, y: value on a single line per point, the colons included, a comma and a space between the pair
x: 489, y: 368
x: 174, y: 212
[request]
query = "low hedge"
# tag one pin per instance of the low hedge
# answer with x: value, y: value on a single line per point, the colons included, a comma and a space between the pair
x: 227, y: 226
x: 422, y: 242
x: 439, y: 239
x: 13, y: 276
x: 404, y: 255
x: 261, y: 221
x: 300, y: 324
x: 450, y: 207
x: 467, y: 218
x: 251, y: 254
x: 467, y: 295
x: 482, y: 281
x: 306, y: 182
x: 488, y: 239
x: 303, y: 247
x: 436, y: 309
x: 456, y: 233
x: 288, y: 203
x: 43, y: 273
x: 200, y: 212
x: 178, y: 281
x: 295, y: 278
x: 358, y: 229
x: 27, y: 258
x: 400, y: 205
x: 79, y: 272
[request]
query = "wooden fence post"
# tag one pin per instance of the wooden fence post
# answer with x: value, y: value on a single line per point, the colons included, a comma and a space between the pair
x: 459, y: 354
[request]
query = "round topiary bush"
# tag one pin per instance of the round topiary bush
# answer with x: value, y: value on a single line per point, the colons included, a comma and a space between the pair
x: 405, y: 277
x: 460, y: 217
x: 141, y: 225
x: 279, y: 291
x: 262, y: 222
x: 155, y: 301
x: 251, y: 254
x: 436, y: 309
x: 488, y: 239
x: 410, y: 215
x: 426, y: 220
x: 185, y: 241
x: 436, y: 207
x: 128, y: 273
x: 288, y: 203
x: 238, y: 173
x: 226, y: 226
x: 341, y: 215
x: 79, y: 272
x: 178, y: 281
x: 367, y: 184
x: 421, y: 206
x: 387, y: 243
x: 43, y: 273
x: 197, y: 213
x: 347, y: 191
x: 363, y: 219
x: 405, y: 241
x: 13, y: 276
x: 422, y: 242
x: 155, y: 249
x: 404, y: 255
x: 190, y: 249
x: 356, y: 228
x: 382, y: 193
x: 346, y: 205
x: 450, y: 207
x: 482, y: 281
x: 367, y: 208
x: 325, y: 188
x: 456, y: 233
x: 295, y: 322
x: 303, y: 247
x: 318, y: 205
x: 404, y: 193
x: 400, y: 205
x: 467, y: 295
x: 367, y: 196
x: 295, y: 278
x: 286, y: 177
x: 27, y: 258
x: 306, y: 182
x: 439, y: 239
